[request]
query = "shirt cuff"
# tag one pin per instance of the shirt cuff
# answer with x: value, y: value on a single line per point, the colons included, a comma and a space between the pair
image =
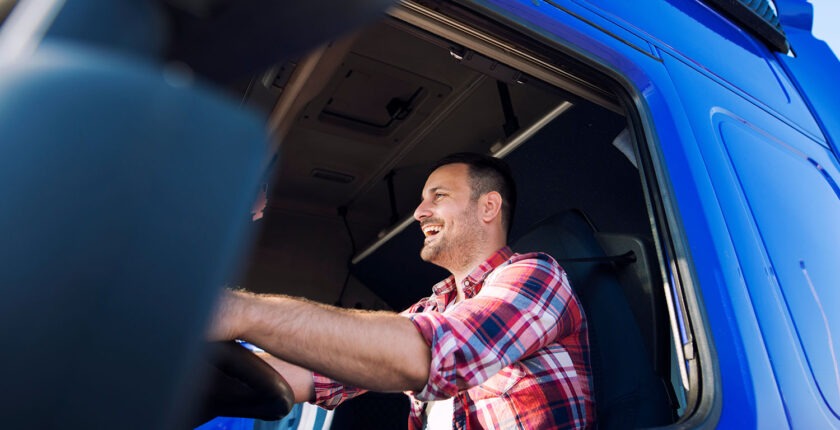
x: 434, y: 327
x: 330, y: 393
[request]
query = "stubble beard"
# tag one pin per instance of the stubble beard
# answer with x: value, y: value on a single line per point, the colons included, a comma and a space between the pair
x: 454, y: 253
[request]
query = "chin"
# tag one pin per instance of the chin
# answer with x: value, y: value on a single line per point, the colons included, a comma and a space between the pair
x: 427, y: 256
x: 430, y: 254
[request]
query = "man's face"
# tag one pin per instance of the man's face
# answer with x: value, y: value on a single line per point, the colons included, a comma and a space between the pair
x: 449, y: 218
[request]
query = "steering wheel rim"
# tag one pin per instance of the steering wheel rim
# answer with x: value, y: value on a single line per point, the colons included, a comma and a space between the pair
x: 243, y: 385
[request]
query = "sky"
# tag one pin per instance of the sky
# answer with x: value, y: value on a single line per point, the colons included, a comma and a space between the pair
x: 827, y: 22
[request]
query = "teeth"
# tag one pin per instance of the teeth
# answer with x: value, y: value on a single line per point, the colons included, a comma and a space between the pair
x: 429, y: 230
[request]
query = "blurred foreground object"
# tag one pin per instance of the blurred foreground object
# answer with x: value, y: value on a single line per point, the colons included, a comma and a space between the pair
x: 126, y: 190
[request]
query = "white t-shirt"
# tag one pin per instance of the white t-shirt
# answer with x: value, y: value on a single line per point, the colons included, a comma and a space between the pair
x: 439, y: 414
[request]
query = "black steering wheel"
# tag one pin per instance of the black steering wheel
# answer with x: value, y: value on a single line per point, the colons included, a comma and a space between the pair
x: 242, y: 385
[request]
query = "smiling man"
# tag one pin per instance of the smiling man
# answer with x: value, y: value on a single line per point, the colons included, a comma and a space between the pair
x: 502, y: 343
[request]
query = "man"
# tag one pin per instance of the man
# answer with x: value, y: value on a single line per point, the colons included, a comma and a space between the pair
x: 502, y: 343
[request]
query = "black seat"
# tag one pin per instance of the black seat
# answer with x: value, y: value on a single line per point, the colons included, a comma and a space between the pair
x: 628, y: 393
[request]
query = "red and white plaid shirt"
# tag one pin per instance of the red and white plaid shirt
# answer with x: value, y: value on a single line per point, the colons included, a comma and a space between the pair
x: 514, y: 354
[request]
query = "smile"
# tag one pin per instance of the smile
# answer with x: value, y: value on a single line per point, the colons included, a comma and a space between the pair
x: 431, y: 229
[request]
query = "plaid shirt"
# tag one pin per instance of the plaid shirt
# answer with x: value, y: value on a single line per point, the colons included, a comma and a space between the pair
x: 513, y: 355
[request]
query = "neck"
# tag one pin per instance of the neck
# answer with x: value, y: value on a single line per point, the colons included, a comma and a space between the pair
x: 461, y: 273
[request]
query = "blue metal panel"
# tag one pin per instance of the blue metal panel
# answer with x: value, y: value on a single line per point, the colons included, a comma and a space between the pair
x: 794, y: 199
x: 751, y: 283
x: 815, y: 69
x: 758, y: 17
x: 702, y: 37
x: 745, y: 383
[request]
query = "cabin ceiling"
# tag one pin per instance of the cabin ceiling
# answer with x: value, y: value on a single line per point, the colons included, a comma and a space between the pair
x: 386, y: 101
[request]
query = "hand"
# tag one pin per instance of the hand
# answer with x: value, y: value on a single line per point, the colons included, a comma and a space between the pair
x: 299, y: 379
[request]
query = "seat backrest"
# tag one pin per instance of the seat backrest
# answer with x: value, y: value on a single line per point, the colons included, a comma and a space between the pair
x: 645, y: 294
x: 628, y: 393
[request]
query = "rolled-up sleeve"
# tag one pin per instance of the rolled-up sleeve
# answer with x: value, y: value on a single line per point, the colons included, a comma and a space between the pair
x: 518, y: 310
x: 330, y: 393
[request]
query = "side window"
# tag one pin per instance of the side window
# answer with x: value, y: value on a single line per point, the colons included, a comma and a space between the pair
x: 362, y: 120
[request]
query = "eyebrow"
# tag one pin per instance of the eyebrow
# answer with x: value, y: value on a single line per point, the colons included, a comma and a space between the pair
x: 432, y: 190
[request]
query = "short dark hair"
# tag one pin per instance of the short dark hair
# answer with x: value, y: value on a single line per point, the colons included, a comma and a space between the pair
x: 487, y: 174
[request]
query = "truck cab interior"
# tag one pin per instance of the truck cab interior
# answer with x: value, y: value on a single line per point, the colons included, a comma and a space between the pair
x: 358, y: 123
x: 354, y: 124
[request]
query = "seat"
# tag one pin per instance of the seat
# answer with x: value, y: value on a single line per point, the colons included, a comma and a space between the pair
x: 628, y: 392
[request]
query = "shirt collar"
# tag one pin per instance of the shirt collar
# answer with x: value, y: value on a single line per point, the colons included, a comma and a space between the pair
x: 473, y: 281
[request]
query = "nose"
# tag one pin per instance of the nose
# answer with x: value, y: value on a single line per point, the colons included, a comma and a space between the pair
x: 422, y: 212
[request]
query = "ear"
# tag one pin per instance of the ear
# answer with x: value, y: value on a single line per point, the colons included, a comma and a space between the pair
x: 490, y: 206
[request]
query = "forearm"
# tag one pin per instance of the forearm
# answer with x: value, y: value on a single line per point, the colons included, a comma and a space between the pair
x: 379, y: 351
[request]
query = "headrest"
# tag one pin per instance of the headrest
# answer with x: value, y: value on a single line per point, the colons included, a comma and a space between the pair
x: 568, y: 234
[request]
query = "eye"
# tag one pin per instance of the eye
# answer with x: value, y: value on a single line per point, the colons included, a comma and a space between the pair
x: 439, y: 196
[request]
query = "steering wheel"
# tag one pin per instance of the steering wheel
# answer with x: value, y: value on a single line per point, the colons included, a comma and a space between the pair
x: 243, y: 385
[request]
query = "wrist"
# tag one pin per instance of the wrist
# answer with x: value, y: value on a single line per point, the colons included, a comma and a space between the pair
x: 232, y: 314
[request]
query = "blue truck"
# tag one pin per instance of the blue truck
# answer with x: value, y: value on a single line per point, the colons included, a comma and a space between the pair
x: 679, y: 158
